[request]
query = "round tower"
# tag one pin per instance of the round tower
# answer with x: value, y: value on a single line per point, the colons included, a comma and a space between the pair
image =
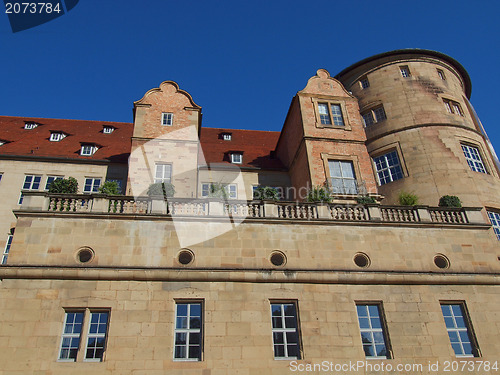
x: 422, y: 133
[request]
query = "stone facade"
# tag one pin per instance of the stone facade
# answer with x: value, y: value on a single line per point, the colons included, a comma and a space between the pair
x: 140, y: 260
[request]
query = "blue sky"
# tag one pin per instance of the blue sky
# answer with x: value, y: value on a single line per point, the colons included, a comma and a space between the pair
x: 241, y: 61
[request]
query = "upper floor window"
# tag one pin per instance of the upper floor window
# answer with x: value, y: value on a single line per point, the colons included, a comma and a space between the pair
x: 88, y: 150
x: 459, y: 330
x: 96, y: 335
x: 376, y: 114
x: 473, y: 158
x: 50, y: 180
x: 31, y: 182
x: 236, y: 158
x: 219, y: 190
x: 163, y: 173
x: 453, y: 107
x: 226, y: 136
x: 108, y: 129
x: 167, y: 119
x: 364, y: 83
x: 373, y: 332
x: 441, y: 74
x: 342, y: 177
x: 330, y: 111
x: 388, y: 167
x: 285, y: 327
x: 7, y: 249
x: 188, y: 338
x: 56, y: 136
x: 495, y: 222
x: 91, y: 185
x: 30, y: 125
x: 405, y: 71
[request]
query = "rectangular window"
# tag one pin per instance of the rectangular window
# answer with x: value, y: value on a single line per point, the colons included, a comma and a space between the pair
x: 459, y: 330
x: 441, y: 74
x: 388, y: 167
x: 337, y: 115
x: 31, y: 182
x: 373, y: 331
x: 88, y: 150
x: 473, y: 158
x: 236, y: 158
x: 364, y: 83
x: 453, y: 107
x: 226, y: 136
x: 342, y: 177
x: 7, y: 249
x: 163, y: 173
x: 91, y: 185
x: 495, y: 222
x: 167, y: 119
x: 213, y: 190
x: 96, y: 337
x: 285, y: 330
x: 324, y: 114
x: 188, y: 331
x: 73, y: 331
x: 51, y: 179
x: 405, y: 71
x: 374, y: 115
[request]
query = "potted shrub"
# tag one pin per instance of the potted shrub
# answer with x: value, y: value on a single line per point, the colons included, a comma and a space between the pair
x: 450, y: 201
x: 110, y: 188
x: 64, y: 186
x: 161, y: 189
x: 365, y: 199
x: 266, y: 193
x: 407, y: 199
x: 319, y: 194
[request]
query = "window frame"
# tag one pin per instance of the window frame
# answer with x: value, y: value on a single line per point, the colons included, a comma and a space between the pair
x: 453, y: 107
x: 31, y: 183
x: 54, y: 178
x: 317, y: 102
x: 471, y: 162
x: 8, y: 244
x: 494, y: 218
x: 374, y: 114
x: 160, y: 167
x: 342, y: 177
x: 468, y: 329
x: 236, y: 158
x: 30, y: 125
x: 405, y: 71
x: 167, y: 119
x: 56, y: 136
x: 96, y: 335
x: 387, y: 167
x: 230, y: 189
x: 227, y: 136
x: 88, y: 149
x: 92, y: 185
x: 108, y: 129
x: 189, y: 331
x: 84, y: 334
x: 284, y: 329
x: 383, y: 329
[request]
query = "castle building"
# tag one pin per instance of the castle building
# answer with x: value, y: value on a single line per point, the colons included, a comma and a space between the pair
x: 216, y: 279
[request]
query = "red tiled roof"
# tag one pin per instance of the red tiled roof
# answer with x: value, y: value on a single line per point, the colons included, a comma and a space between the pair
x: 35, y: 142
x: 255, y: 145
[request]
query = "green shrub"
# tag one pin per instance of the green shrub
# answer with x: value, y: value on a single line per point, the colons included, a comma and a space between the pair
x: 162, y: 189
x: 110, y: 188
x: 450, y: 201
x: 407, y: 199
x: 365, y: 199
x: 64, y: 186
x: 319, y: 194
x: 267, y: 193
x: 218, y: 190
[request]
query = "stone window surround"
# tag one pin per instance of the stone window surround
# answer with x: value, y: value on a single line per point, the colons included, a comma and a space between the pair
x: 163, y: 179
x: 329, y: 101
x: 468, y: 322
x: 189, y: 330
x: 383, y: 322
x: 474, y: 143
x: 384, y: 150
x: 352, y: 158
x: 371, y: 107
x: 297, y: 327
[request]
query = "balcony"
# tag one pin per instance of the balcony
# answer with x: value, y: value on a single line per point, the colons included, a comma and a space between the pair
x: 87, y: 204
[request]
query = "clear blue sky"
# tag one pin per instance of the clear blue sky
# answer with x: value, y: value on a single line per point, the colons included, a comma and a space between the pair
x: 242, y: 61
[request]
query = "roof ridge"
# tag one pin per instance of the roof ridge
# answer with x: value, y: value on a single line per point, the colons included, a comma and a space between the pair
x: 65, y: 119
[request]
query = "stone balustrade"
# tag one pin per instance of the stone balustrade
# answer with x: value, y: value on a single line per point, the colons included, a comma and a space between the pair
x: 178, y: 207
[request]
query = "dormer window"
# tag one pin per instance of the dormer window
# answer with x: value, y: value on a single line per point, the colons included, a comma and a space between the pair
x: 236, y: 158
x: 2, y: 142
x: 108, y: 129
x: 167, y: 119
x: 30, y: 125
x: 226, y: 136
x: 56, y: 136
x: 88, y: 150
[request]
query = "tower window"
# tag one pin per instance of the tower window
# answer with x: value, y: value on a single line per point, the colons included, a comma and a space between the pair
x: 364, y: 83
x: 405, y: 71
x: 388, y: 167
x: 473, y: 158
x: 441, y: 74
x: 376, y: 114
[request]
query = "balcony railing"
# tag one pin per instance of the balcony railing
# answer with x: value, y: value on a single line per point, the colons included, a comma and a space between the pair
x: 179, y: 207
